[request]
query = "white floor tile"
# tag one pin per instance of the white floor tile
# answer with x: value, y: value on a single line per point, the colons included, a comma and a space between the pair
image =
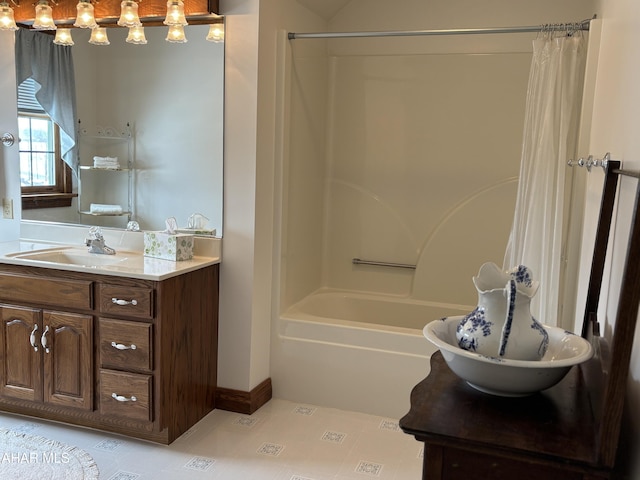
x: 282, y: 441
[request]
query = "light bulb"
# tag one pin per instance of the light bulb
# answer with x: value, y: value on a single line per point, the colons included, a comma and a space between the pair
x: 129, y: 14
x: 176, y: 34
x: 63, y: 37
x: 175, y: 13
x: 85, y: 17
x: 216, y: 33
x: 7, y: 21
x: 99, y: 36
x: 136, y: 36
x: 44, y: 17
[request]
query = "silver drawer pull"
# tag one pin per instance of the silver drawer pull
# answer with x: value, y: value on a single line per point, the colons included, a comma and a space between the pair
x: 117, y: 301
x: 32, y: 338
x: 120, y: 346
x: 120, y: 398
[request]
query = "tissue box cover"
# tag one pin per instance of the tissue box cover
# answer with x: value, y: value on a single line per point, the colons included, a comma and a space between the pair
x: 168, y: 246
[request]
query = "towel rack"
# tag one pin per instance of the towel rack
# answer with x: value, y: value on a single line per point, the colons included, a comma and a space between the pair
x: 358, y: 261
x: 590, y: 162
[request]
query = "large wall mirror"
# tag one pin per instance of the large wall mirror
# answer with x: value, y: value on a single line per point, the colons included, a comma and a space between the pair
x: 171, y: 95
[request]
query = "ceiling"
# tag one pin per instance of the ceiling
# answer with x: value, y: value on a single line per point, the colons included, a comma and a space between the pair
x: 325, y: 8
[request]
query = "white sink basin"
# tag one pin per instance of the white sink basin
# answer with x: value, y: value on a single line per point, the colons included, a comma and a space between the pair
x: 71, y: 256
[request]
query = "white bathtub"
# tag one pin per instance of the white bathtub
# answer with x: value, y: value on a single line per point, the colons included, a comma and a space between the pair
x: 354, y: 351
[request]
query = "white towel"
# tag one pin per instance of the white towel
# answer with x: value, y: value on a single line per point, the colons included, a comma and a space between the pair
x: 106, y: 162
x: 104, y: 209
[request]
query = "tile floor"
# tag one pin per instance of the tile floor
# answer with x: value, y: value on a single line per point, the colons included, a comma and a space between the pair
x: 281, y: 441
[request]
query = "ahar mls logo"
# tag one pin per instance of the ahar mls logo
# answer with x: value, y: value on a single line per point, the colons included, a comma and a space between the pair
x: 35, y: 457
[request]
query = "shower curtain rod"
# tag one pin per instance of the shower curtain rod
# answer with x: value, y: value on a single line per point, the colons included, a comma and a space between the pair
x: 583, y: 25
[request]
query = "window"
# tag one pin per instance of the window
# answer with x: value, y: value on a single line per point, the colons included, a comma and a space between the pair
x: 44, y: 177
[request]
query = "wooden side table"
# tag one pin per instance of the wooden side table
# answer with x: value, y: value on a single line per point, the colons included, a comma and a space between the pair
x: 473, y: 435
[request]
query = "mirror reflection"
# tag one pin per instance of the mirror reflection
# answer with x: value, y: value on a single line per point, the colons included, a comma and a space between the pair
x: 170, y: 97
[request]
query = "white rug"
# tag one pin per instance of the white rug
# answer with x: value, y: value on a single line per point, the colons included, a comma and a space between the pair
x: 26, y: 457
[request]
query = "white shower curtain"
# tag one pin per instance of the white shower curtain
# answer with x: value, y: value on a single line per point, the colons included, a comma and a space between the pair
x: 552, y: 117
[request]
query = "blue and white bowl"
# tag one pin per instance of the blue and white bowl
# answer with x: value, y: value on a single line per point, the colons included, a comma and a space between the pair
x: 505, y: 377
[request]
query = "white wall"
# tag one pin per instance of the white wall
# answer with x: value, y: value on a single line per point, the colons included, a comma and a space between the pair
x: 249, y: 178
x: 237, y: 274
x: 615, y: 130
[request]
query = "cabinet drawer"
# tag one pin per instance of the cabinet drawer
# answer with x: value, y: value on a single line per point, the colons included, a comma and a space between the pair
x: 56, y: 292
x: 125, y: 345
x: 126, y: 395
x: 126, y: 301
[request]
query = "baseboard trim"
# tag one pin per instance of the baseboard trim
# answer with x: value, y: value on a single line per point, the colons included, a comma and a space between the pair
x: 244, y: 402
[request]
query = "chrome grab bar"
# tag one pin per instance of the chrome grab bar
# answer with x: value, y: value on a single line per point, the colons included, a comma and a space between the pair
x: 358, y: 261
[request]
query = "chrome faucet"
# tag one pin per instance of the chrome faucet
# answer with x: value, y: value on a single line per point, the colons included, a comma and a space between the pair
x: 95, y: 242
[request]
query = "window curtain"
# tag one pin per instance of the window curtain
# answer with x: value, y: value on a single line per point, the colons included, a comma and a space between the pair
x: 51, y: 66
x: 552, y: 115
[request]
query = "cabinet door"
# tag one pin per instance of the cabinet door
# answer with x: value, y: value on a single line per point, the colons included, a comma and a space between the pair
x: 67, y: 342
x: 21, y: 373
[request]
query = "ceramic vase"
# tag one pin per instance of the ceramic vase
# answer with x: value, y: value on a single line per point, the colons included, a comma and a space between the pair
x: 502, y: 326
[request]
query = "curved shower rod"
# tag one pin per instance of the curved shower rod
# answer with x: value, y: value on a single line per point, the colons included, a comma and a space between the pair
x: 583, y: 25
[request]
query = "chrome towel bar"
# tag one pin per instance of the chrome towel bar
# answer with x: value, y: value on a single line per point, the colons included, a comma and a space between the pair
x: 357, y: 261
x: 591, y: 162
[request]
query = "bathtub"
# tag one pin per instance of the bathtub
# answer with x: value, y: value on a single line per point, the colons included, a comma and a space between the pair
x: 354, y: 351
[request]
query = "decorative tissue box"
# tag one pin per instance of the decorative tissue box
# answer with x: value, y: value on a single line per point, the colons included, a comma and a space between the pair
x: 168, y: 246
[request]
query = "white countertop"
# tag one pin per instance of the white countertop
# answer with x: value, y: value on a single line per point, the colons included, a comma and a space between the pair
x: 133, y: 265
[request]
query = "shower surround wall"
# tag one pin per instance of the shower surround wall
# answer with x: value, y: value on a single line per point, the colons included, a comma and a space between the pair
x: 422, y: 161
x: 403, y: 158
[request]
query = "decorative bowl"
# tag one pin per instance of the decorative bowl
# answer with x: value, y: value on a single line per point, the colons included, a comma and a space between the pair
x: 506, y: 377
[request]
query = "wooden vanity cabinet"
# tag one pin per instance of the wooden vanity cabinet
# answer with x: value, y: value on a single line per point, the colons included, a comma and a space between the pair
x: 34, y: 372
x: 131, y: 356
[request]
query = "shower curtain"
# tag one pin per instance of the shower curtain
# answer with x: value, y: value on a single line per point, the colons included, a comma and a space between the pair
x: 552, y: 115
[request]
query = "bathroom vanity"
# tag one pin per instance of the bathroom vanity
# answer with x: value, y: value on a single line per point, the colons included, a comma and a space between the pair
x: 108, y: 348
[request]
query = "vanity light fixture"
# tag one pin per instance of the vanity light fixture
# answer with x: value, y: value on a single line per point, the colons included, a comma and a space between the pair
x: 129, y: 14
x: 44, y: 17
x: 99, y: 36
x: 63, y: 37
x: 216, y: 33
x: 175, y: 13
x: 176, y: 34
x: 7, y: 21
x: 136, y: 36
x: 85, y: 17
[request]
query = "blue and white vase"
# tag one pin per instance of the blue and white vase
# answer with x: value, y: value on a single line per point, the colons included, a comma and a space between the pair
x: 502, y: 325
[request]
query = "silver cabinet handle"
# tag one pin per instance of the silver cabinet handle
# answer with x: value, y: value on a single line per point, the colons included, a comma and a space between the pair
x: 120, y: 346
x: 120, y: 398
x: 32, y: 338
x: 43, y: 339
x: 117, y: 301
